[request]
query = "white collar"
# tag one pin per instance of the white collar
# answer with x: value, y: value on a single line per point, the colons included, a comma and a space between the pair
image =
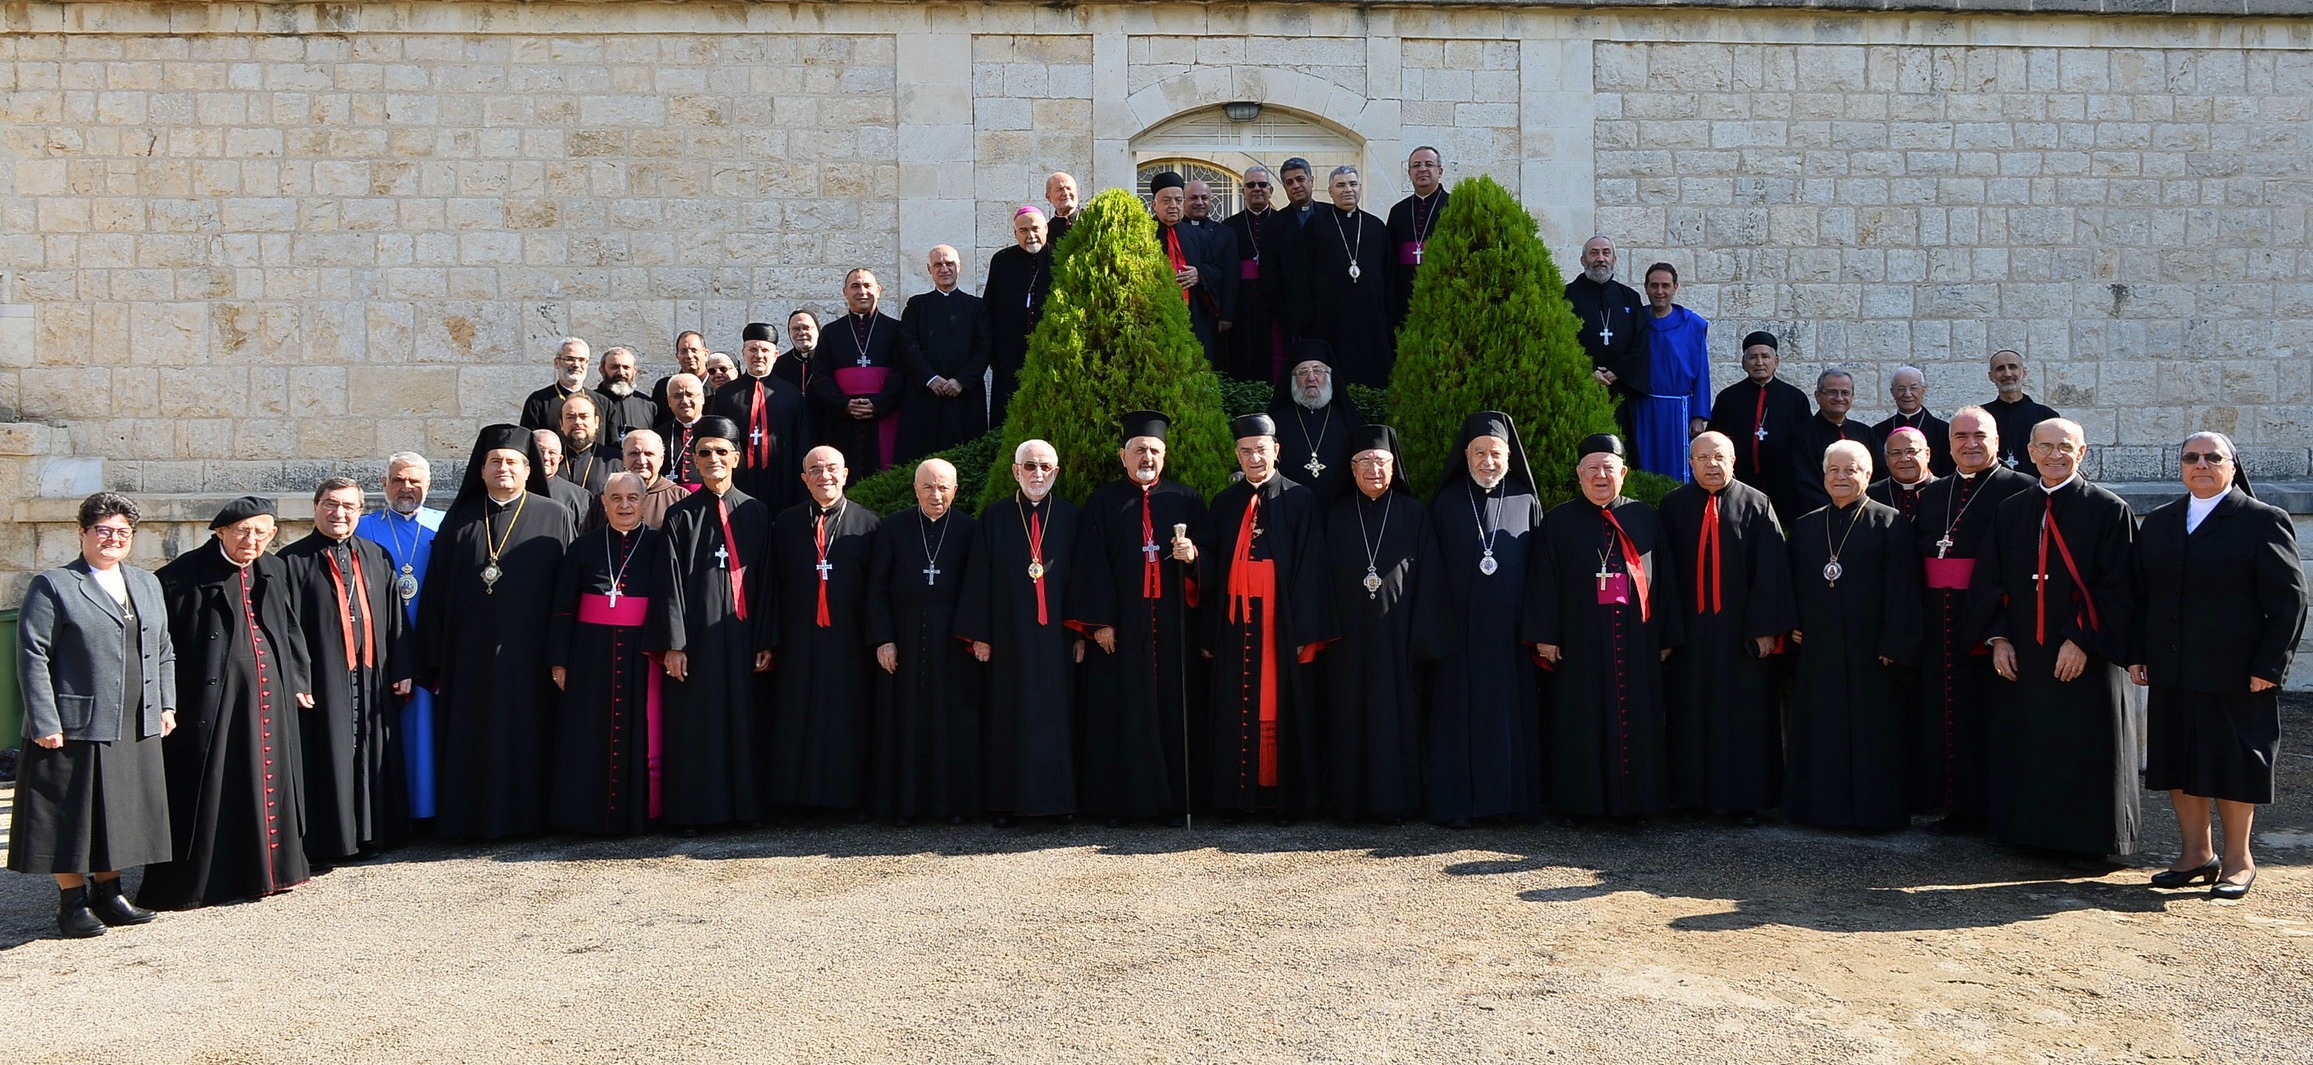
x: 2059, y: 486
x: 2197, y: 509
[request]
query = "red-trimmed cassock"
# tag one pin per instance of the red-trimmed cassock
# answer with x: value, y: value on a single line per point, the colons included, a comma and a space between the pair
x: 1725, y: 721
x: 1260, y: 564
x: 1607, y: 594
x: 1133, y: 735
x: 1017, y: 589
x: 1950, y: 526
x: 607, y: 746
x: 2056, y: 570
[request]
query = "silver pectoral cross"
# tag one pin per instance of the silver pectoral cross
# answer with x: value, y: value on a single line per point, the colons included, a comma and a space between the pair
x: 863, y: 358
x: 1943, y: 545
x: 614, y: 597
x: 1605, y: 331
x: 722, y: 557
x: 931, y: 574
x: 1149, y: 551
x: 824, y: 567
x: 2011, y: 462
x: 1760, y: 433
x: 755, y: 435
x: 1315, y: 468
x: 1604, y: 575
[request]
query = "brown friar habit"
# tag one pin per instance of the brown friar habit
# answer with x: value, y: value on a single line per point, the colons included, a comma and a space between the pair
x: 1955, y: 677
x: 2056, y: 570
x: 1265, y: 600
x: 1724, y: 721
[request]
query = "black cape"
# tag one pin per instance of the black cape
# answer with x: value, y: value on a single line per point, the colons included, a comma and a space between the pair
x: 609, y: 734
x: 947, y: 337
x: 236, y: 789
x: 1028, y: 742
x: 1724, y: 718
x: 1249, y: 637
x: 1350, y: 314
x: 1130, y: 730
x: 485, y: 651
x: 2063, y: 754
x: 824, y: 687
x: 1604, y: 719
x: 927, y: 712
x: 714, y: 725
x: 1848, y: 734
x: 356, y: 788
x: 1483, y: 749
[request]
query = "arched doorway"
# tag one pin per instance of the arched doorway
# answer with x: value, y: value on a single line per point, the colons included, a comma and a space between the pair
x: 1208, y: 143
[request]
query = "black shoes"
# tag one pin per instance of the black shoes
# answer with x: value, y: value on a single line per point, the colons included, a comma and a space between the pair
x: 2176, y: 878
x: 113, y: 908
x: 73, y: 918
x: 2224, y: 889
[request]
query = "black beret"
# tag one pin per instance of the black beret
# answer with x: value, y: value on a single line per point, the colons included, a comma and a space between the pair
x: 1601, y: 443
x: 1142, y: 423
x: 1245, y: 425
x: 759, y: 331
x: 1167, y: 180
x: 715, y: 427
x: 241, y: 510
x: 1760, y: 336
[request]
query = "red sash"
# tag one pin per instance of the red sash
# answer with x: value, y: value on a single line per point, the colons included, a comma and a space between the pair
x: 1632, y: 562
x: 345, y: 621
x: 1707, y: 559
x: 597, y: 610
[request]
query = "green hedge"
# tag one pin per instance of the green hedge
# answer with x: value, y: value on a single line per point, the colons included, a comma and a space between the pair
x: 895, y: 489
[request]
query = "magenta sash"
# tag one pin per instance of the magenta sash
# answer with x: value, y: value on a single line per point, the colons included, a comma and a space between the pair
x: 1950, y: 574
x: 1409, y: 253
x: 1250, y: 270
x: 630, y: 612
x: 596, y: 610
x: 858, y: 382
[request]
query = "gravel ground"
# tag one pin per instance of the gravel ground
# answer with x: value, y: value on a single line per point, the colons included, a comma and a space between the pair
x: 1687, y: 941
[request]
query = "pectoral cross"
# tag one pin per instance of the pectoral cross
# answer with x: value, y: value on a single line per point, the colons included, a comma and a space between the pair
x: 755, y: 435
x: 2011, y: 462
x: 722, y: 557
x: 863, y: 358
x: 1604, y: 575
x: 1760, y: 433
x: 931, y: 573
x: 1605, y: 331
x: 1315, y: 468
x: 1417, y: 255
x: 1943, y: 545
x: 824, y: 567
x: 614, y: 598
x: 1149, y: 551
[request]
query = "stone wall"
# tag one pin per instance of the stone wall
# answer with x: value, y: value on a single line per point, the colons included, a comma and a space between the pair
x: 246, y: 245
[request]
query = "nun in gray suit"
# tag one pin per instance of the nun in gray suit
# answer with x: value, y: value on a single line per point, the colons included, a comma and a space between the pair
x: 98, y: 675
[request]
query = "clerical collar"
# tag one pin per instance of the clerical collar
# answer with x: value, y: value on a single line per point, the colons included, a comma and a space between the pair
x: 2197, y: 509
x: 1034, y: 501
x: 507, y: 502
x: 2021, y: 397
x: 229, y: 558
x: 2060, y: 485
x: 943, y: 291
x: 1913, y: 486
x: 821, y: 512
x: 1263, y: 481
x: 1431, y: 196
x: 1966, y: 476
x: 1912, y: 418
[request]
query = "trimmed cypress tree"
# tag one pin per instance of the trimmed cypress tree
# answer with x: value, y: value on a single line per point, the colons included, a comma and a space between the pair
x: 1115, y: 337
x: 1489, y: 328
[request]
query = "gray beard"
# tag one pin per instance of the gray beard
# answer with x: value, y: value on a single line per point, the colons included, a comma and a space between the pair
x: 1324, y: 396
x: 406, y: 508
x: 1599, y: 274
x: 618, y: 389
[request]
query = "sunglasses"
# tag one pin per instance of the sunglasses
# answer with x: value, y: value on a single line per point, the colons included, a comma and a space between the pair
x: 2211, y: 458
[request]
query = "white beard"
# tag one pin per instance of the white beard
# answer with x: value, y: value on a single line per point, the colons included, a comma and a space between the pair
x: 619, y: 389
x: 1599, y: 274
x: 1323, y: 397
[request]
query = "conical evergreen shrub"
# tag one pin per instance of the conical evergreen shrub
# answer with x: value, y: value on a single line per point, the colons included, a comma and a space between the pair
x: 1115, y: 337
x: 1489, y: 328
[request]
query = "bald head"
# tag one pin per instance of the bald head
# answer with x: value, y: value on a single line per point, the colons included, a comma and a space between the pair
x: 1711, y: 458
x: 935, y: 487
x: 824, y: 474
x: 1060, y: 192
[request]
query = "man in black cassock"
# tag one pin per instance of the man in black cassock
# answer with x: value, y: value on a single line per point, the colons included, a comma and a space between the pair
x: 235, y: 782
x: 794, y: 365
x: 607, y: 744
x: 1019, y: 277
x: 356, y: 791
x: 1855, y: 581
x: 2052, y: 594
x: 1342, y: 277
x: 1411, y: 223
x: 1604, y: 611
x: 1834, y: 396
x: 1724, y: 722
x: 1227, y: 258
x: 1484, y: 743
x: 1266, y: 615
x: 947, y: 333
x: 621, y: 404
x: 1907, y: 386
x: 482, y: 623
x: 859, y: 377
x: 824, y: 690
x: 1905, y: 478
x: 1139, y: 683
x: 1019, y: 613
x: 1313, y: 424
x: 1256, y: 336
x: 1762, y: 414
x: 927, y: 697
x: 1954, y: 518
x: 2014, y: 409
x: 2220, y: 608
x: 1614, y: 329
x: 686, y: 404
x: 710, y: 624
x: 543, y: 409
x: 568, y: 494
x: 1387, y: 584
x: 587, y: 460
x: 1195, y: 260
x: 774, y: 423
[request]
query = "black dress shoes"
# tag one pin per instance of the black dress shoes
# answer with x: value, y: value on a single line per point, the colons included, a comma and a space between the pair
x: 2226, y: 889
x: 1000, y: 821
x: 113, y: 908
x: 2176, y: 878
x: 73, y: 918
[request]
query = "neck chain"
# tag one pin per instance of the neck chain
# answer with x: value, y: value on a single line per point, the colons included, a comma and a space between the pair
x: 496, y: 544
x: 1486, y: 563
x: 1346, y: 249
x: 932, y: 551
x: 406, y: 582
x: 862, y: 340
x: 1035, y: 535
x: 1831, y: 569
x: 1952, y: 517
x: 1372, y: 581
x: 1253, y: 231
x: 618, y: 573
x: 1425, y: 219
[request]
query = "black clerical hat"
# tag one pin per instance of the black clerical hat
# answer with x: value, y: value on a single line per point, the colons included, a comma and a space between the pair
x: 1245, y: 425
x: 719, y: 428
x: 759, y: 331
x: 1486, y: 423
x: 241, y: 510
x: 1601, y: 443
x: 1142, y: 423
x: 500, y: 437
x: 1760, y: 336
x: 1379, y: 438
x: 1167, y: 180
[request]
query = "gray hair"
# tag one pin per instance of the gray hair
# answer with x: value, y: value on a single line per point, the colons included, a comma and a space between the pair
x: 1831, y: 373
x: 652, y: 433
x: 574, y: 342
x: 1020, y: 454
x: 1340, y: 170
x: 408, y: 458
x: 1907, y: 368
x: 611, y: 482
x: 1252, y: 170
x: 617, y: 349
x: 1850, y: 448
x: 2221, y: 439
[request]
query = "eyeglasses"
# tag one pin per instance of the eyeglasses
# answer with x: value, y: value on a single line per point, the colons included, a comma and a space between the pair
x: 336, y: 504
x: 2210, y: 458
x: 1256, y: 184
x: 1038, y: 467
x: 110, y: 532
x: 1369, y: 464
x: 822, y: 470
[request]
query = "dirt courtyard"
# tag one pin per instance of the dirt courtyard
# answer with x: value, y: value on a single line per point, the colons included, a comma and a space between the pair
x: 1686, y: 941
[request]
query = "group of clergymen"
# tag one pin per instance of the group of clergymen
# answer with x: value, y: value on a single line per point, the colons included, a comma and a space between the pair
x: 684, y: 655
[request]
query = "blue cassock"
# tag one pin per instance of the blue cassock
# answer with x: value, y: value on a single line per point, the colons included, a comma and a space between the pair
x: 409, y: 541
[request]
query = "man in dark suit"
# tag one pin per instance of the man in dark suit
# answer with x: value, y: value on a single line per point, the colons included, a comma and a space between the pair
x: 2220, y: 607
x: 1908, y: 388
x: 946, y: 363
